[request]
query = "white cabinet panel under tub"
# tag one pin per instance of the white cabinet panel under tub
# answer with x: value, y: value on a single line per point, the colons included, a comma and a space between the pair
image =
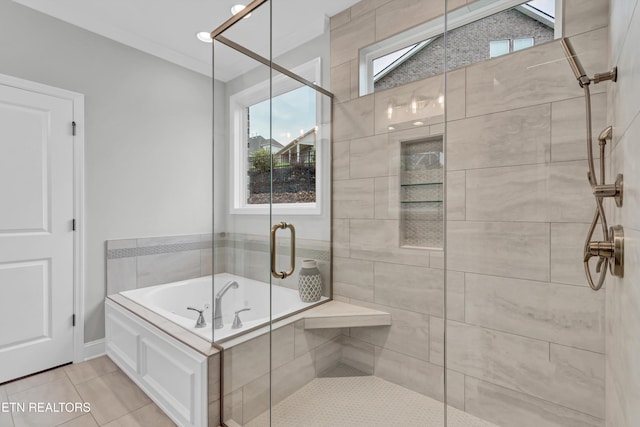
x: 173, y: 375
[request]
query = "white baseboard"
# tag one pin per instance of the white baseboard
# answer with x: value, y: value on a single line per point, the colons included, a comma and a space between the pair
x: 94, y: 349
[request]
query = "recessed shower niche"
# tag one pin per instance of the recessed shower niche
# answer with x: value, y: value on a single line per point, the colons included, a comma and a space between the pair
x: 422, y: 193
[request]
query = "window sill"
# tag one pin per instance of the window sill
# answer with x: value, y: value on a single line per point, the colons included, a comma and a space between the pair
x: 279, y: 209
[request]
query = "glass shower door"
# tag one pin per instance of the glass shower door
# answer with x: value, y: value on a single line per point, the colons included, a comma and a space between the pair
x: 272, y: 209
x: 525, y: 334
x: 301, y: 273
x: 242, y: 218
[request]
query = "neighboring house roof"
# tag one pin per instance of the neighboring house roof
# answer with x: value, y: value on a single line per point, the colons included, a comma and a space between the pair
x: 537, y: 14
x: 304, y: 139
x: 262, y: 142
x: 525, y: 9
x: 401, y: 59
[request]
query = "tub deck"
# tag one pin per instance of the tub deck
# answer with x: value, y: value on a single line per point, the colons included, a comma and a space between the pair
x: 325, y: 315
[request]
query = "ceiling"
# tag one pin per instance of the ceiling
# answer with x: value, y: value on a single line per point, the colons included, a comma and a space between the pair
x: 167, y: 28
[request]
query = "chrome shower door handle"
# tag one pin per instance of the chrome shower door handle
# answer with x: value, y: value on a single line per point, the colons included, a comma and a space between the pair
x: 274, y: 229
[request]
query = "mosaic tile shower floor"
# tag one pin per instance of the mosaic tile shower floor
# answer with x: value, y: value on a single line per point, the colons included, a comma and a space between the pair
x: 362, y: 402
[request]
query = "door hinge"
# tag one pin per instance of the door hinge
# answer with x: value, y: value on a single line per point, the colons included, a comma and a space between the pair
x: 73, y: 128
x: 73, y: 224
x: 73, y: 320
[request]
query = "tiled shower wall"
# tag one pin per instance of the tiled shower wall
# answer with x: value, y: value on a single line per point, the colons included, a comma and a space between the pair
x: 525, y: 342
x: 253, y: 379
x: 138, y: 263
x: 623, y: 295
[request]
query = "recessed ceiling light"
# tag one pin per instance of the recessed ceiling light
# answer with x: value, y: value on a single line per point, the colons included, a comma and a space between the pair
x: 418, y: 123
x: 391, y: 128
x: 204, y: 36
x: 237, y: 8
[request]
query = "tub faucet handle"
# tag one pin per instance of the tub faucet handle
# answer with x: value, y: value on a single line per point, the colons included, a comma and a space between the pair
x: 200, y: 323
x: 237, y: 323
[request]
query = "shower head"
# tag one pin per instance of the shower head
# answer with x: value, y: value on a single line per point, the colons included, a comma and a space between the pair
x: 574, y: 62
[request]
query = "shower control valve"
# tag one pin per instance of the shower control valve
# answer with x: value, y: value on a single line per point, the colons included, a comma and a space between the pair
x: 610, y: 190
x: 611, y: 250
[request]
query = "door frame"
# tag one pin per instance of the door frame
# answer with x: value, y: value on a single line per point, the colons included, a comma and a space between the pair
x: 77, y: 100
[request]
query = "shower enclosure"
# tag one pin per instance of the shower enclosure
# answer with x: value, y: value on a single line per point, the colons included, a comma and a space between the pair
x: 272, y: 206
x: 428, y: 157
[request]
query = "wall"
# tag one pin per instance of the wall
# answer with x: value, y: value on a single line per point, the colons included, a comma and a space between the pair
x: 148, y: 135
x: 139, y: 263
x: 525, y: 335
x: 623, y: 294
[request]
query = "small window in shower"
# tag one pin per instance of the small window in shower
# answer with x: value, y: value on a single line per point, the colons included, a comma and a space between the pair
x: 476, y: 32
x: 422, y: 193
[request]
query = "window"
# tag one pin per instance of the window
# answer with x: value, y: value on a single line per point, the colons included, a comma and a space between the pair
x: 277, y: 145
x: 522, y: 43
x: 502, y: 47
x: 387, y: 63
x: 290, y: 152
x: 502, y: 25
x: 498, y: 48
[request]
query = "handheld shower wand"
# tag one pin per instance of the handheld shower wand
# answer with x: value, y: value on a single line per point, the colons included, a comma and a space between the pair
x: 578, y: 70
x: 574, y: 63
x: 611, y: 248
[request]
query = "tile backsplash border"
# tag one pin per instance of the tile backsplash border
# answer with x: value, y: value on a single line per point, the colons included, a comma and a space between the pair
x: 155, y: 250
x: 141, y: 262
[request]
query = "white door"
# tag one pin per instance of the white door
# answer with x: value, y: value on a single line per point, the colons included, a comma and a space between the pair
x: 36, y: 236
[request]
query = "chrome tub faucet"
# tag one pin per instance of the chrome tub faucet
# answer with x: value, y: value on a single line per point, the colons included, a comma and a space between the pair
x: 217, y: 310
x: 200, y: 323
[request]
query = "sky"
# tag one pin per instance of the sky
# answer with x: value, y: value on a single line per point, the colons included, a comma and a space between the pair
x: 293, y: 112
x: 547, y: 6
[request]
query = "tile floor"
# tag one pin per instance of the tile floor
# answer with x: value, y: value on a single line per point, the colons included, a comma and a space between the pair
x: 115, y: 400
x: 341, y: 400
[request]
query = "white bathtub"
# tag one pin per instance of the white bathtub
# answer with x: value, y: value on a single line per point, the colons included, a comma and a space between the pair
x: 172, y: 299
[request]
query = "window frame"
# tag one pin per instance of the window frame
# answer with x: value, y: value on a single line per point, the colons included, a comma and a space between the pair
x: 238, y: 138
x: 457, y: 18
